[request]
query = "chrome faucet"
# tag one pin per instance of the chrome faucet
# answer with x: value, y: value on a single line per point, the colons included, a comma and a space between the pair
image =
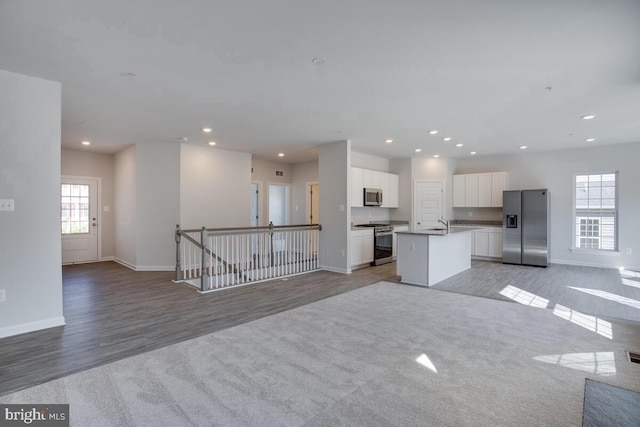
x: 445, y: 222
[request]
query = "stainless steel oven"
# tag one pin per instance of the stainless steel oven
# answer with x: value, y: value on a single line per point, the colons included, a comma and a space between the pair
x: 382, y: 245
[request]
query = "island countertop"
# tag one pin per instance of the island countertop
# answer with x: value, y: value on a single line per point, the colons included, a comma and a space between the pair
x: 440, y: 231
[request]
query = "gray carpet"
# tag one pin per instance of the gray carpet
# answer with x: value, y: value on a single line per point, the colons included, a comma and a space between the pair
x: 606, y: 405
x: 387, y: 354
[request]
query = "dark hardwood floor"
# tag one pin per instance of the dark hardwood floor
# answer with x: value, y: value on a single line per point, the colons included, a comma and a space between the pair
x: 112, y: 313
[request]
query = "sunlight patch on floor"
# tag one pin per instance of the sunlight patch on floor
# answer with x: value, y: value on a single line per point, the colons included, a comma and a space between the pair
x: 601, y: 363
x: 609, y: 296
x: 424, y: 360
x: 523, y: 297
x: 591, y: 323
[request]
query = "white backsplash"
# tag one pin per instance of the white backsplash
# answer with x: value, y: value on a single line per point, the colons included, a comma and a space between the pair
x: 365, y: 215
x: 480, y: 214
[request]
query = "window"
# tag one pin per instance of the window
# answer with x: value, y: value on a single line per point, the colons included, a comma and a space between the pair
x: 596, y: 211
x: 74, y: 206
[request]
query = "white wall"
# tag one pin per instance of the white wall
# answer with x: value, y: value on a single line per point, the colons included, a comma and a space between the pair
x: 555, y: 171
x: 87, y: 163
x: 368, y: 161
x: 30, y: 248
x: 301, y: 174
x: 215, y: 188
x: 265, y: 172
x: 158, y: 205
x: 335, y: 215
x: 402, y: 168
x: 125, y: 178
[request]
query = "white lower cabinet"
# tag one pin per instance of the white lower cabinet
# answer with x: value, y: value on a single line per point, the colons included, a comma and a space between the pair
x: 397, y: 228
x: 487, y: 242
x: 361, y: 247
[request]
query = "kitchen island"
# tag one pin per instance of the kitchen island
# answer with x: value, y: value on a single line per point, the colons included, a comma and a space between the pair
x: 426, y: 257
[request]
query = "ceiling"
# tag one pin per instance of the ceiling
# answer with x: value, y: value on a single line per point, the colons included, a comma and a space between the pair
x: 491, y: 74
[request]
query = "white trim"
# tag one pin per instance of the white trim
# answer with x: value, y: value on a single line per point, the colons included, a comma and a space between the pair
x: 31, y: 326
x: 583, y: 264
x: 144, y: 267
x: 125, y: 263
x: 336, y: 270
x: 107, y: 258
x: 307, y: 197
x: 155, y: 268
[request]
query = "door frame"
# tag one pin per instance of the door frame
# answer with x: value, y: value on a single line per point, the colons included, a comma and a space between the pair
x: 413, y: 196
x: 98, y: 209
x: 260, y: 202
x: 308, y: 199
x: 289, y: 199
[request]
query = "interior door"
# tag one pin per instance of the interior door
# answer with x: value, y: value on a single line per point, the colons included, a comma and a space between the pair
x: 427, y: 204
x: 79, y: 219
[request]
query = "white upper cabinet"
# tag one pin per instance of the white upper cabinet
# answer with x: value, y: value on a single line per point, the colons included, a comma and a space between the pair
x: 471, y: 190
x: 357, y: 185
x: 479, y: 190
x: 484, y: 190
x: 459, y: 191
x: 499, y: 183
x: 365, y: 178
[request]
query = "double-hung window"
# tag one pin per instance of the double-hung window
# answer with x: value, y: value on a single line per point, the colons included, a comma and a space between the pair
x: 596, y: 211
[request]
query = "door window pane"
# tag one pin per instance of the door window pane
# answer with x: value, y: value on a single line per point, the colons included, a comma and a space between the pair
x: 74, y: 208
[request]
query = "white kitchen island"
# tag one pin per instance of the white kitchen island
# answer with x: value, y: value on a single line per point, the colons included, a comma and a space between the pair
x: 426, y: 257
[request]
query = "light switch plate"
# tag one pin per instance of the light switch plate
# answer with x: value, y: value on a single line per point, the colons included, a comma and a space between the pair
x: 7, y: 205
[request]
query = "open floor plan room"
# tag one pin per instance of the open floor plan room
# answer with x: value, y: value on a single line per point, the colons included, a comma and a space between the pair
x: 316, y: 349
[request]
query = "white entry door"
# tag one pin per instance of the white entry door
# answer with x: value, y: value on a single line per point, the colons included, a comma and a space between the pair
x: 79, y: 219
x: 428, y: 198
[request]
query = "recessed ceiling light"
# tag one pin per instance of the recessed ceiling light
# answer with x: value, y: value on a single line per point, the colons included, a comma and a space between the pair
x: 212, y: 143
x: 433, y: 132
x: 417, y: 150
x: 590, y: 139
x: 206, y: 130
x: 523, y: 147
x: 473, y: 153
x: 388, y: 141
x: 317, y: 61
x: 447, y: 138
x: 280, y: 154
x: 86, y: 143
x: 588, y: 117
x: 459, y: 145
x: 436, y: 155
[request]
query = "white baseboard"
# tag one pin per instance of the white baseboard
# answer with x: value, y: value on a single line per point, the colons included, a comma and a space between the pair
x: 155, y: 268
x: 145, y: 267
x: 31, y: 326
x: 107, y: 258
x: 125, y: 263
x: 336, y: 270
x: 582, y: 263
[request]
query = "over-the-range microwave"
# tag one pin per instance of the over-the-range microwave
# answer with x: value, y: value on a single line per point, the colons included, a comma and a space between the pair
x: 372, y: 197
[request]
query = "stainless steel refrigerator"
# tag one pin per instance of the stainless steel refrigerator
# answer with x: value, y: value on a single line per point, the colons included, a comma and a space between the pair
x: 525, y: 228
